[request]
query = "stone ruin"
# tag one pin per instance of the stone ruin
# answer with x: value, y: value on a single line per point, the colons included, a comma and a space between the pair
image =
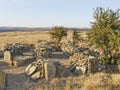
x: 88, y: 61
x: 43, y: 49
x: 18, y: 54
x: 69, y: 49
x: 44, y: 69
x: 84, y: 66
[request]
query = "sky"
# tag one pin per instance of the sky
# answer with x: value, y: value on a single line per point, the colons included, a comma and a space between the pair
x: 49, y: 13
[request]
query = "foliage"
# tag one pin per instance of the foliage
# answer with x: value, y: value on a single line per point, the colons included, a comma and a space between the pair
x: 105, y: 31
x: 76, y: 37
x: 57, y: 33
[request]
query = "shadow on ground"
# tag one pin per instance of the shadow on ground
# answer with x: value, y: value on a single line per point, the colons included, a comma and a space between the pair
x: 59, y: 55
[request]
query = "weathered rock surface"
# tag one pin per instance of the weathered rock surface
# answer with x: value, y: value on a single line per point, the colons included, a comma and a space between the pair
x: 7, y: 56
x: 2, y: 80
x: 50, y: 71
x: 35, y: 76
x: 31, y: 70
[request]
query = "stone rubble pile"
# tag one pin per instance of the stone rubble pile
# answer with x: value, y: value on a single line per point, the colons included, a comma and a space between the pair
x: 69, y: 49
x: 84, y: 66
x: 43, y: 49
x: 35, y: 70
x: 44, y: 69
x: 18, y: 54
x: 79, y: 67
x: 17, y: 48
x: 84, y: 61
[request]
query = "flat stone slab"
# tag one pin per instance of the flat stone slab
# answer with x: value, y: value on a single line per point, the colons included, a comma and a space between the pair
x: 35, y: 76
x: 50, y: 71
x: 2, y: 80
x: 7, y: 56
x: 28, y: 54
x: 20, y: 60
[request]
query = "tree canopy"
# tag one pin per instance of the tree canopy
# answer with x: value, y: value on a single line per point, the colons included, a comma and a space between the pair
x: 57, y: 33
x: 105, y: 31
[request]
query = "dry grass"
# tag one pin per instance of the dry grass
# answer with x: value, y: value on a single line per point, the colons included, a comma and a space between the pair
x: 25, y: 37
x: 99, y: 81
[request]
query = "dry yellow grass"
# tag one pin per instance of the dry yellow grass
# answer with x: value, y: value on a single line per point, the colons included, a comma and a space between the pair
x: 24, y: 37
x: 30, y: 37
x: 99, y: 81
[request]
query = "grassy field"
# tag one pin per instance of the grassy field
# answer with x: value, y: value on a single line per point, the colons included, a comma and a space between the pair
x: 98, y: 81
x: 26, y: 37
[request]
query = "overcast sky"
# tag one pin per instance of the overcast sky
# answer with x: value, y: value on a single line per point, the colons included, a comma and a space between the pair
x: 48, y: 13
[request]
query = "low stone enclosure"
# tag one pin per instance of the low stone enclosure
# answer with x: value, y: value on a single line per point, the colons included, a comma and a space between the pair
x: 82, y: 61
x: 18, y: 54
x: 18, y: 60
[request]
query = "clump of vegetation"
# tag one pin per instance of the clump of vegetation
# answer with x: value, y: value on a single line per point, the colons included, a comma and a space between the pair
x: 57, y: 33
x: 76, y: 37
x: 105, y: 33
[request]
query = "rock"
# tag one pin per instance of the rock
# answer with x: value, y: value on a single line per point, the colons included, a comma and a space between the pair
x: 35, y: 76
x: 93, y: 65
x: 77, y: 71
x: 80, y: 70
x: 83, y: 69
x: 3, y: 78
x: 72, y: 67
x: 91, y: 57
x: 7, y: 56
x: 28, y: 67
x: 31, y: 70
x: 101, y: 67
x: 60, y: 70
x: 1, y: 53
x: 50, y: 71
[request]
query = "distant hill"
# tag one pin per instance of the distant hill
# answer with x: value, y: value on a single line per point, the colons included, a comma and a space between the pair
x: 13, y: 29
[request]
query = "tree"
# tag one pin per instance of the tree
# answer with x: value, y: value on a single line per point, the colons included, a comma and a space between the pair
x: 105, y: 31
x: 76, y: 37
x: 57, y: 33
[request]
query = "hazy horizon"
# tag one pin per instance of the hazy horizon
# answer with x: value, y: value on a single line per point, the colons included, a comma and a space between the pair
x: 49, y: 13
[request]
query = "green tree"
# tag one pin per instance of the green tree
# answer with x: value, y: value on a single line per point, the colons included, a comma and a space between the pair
x: 76, y: 37
x: 105, y: 31
x: 57, y: 33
